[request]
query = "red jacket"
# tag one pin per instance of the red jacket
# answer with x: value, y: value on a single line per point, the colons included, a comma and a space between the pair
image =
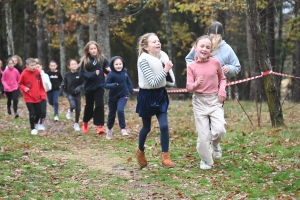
x: 33, y: 81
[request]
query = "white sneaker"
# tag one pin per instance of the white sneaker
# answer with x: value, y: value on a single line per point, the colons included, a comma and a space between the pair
x: 109, y: 134
x: 34, y: 132
x: 76, y: 127
x: 41, y: 127
x: 69, y: 114
x: 217, y: 151
x: 56, y: 118
x: 124, y: 132
x: 204, y: 165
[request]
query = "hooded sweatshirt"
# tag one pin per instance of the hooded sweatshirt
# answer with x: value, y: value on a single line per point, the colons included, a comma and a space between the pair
x: 33, y: 81
x: 10, y: 79
x: 119, y: 83
x: 92, y: 81
x: 225, y: 55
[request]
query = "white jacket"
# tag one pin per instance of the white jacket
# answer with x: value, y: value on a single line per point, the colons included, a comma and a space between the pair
x: 46, y: 81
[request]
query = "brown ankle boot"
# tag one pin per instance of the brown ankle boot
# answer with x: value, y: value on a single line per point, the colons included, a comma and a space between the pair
x: 166, y: 161
x: 141, y: 158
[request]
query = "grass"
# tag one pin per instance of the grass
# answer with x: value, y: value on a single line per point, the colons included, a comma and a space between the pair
x: 59, y: 163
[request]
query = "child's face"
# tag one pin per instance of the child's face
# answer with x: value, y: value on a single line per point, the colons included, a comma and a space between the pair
x: 10, y: 64
x: 52, y: 66
x: 38, y: 66
x: 203, y: 48
x: 15, y: 59
x: 154, y: 45
x: 93, y: 51
x: 31, y: 66
x: 118, y: 65
x: 73, y: 66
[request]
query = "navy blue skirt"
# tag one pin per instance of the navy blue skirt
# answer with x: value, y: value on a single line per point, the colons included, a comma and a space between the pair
x: 152, y: 101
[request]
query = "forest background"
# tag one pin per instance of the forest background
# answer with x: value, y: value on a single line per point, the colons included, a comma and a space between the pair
x: 59, y: 29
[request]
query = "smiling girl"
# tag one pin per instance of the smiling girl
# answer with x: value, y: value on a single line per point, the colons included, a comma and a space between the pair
x: 207, y: 82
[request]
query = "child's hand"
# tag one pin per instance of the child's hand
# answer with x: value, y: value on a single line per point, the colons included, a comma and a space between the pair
x: 26, y: 89
x: 221, y: 99
x: 199, y: 80
x: 97, y: 72
x: 108, y: 69
x: 168, y: 65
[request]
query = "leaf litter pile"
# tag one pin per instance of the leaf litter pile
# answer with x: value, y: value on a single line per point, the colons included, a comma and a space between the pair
x: 60, y: 163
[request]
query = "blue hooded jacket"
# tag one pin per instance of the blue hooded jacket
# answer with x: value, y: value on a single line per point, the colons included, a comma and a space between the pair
x: 118, y: 83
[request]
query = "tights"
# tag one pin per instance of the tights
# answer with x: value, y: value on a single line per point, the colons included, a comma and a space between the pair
x: 164, y: 131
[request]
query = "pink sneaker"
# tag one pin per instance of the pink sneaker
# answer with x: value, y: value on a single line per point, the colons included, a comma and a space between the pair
x: 124, y: 132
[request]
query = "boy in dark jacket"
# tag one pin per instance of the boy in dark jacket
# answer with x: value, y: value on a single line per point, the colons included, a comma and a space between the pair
x: 120, y: 86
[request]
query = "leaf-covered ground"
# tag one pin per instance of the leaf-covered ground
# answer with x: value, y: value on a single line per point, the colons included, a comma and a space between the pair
x: 60, y: 163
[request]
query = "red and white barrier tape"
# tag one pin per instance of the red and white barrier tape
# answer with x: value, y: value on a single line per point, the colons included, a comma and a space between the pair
x: 238, y: 81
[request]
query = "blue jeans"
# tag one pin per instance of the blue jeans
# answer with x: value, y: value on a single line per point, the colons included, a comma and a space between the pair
x: 116, y: 106
x: 53, y: 100
x: 75, y: 103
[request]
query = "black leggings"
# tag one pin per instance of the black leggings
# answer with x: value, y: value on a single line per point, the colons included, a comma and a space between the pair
x: 164, y: 131
x: 13, y: 96
x: 34, y: 113
x: 97, y: 113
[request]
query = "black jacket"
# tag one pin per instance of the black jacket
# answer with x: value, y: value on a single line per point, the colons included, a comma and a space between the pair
x: 72, y: 83
x: 55, y: 79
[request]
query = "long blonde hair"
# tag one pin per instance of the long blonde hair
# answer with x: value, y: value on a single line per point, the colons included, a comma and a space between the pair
x: 19, y: 59
x: 143, y: 43
x: 85, y: 60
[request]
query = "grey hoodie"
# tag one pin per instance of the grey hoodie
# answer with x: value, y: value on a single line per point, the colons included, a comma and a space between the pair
x: 225, y: 55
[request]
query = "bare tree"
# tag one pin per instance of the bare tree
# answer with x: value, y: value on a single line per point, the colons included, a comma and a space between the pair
x: 27, y: 30
x: 92, y: 11
x: 103, y: 27
x: 296, y: 82
x: 40, y: 36
x: 62, y: 47
x: 9, y: 32
x: 272, y: 94
x: 79, y: 32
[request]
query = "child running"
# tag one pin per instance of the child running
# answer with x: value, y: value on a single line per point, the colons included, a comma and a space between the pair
x: 93, y: 65
x: 47, y: 86
x: 207, y: 82
x: 153, y: 69
x: 31, y: 85
x: 10, y: 79
x: 72, y: 85
x: 119, y: 85
x: 56, y: 79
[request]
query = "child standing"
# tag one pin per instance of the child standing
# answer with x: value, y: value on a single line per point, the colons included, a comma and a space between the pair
x: 119, y: 85
x: 72, y: 85
x: 31, y: 85
x: 207, y: 82
x: 10, y: 79
x: 47, y: 86
x: 93, y: 65
x: 18, y: 63
x: 153, y: 68
x: 55, y: 79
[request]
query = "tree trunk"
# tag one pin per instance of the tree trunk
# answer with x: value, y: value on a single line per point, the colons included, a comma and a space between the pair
x: 103, y: 27
x: 255, y: 85
x: 62, y: 49
x: 79, y: 32
x: 9, y: 32
x: 168, y: 23
x: 27, y: 30
x: 296, y: 82
x: 40, y: 36
x: 271, y: 32
x: 265, y: 65
x: 92, y: 11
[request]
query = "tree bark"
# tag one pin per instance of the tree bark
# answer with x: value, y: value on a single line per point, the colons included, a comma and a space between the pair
x: 79, y: 32
x: 168, y: 24
x: 27, y: 28
x: 92, y: 11
x: 40, y: 33
x: 103, y: 27
x: 273, y: 98
x: 296, y: 82
x: 9, y: 32
x: 62, y: 48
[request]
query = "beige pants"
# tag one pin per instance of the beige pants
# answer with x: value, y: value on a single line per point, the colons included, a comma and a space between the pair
x: 207, y: 106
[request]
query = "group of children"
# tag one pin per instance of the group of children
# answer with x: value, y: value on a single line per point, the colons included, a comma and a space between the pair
x: 205, y: 79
